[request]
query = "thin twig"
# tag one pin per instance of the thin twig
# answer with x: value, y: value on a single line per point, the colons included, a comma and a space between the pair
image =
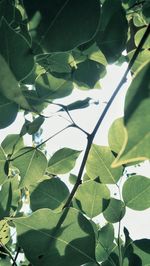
x: 92, y: 135
x: 10, y: 255
x: 16, y: 256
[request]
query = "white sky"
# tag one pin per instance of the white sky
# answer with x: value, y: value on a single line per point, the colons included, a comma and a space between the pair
x: 136, y: 222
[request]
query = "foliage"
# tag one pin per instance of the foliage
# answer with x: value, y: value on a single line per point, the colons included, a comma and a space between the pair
x: 55, y: 47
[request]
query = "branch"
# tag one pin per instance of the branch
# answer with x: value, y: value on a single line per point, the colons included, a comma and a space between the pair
x: 92, y: 135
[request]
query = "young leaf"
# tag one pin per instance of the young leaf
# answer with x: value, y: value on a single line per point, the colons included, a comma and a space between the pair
x: 9, y: 86
x: 16, y: 51
x: 77, y: 105
x: 115, y: 211
x: 12, y: 141
x: 31, y: 163
x: 50, y: 194
x: 63, y: 161
x: 116, y: 135
x: 32, y: 127
x: 138, y: 37
x: 98, y: 165
x: 105, y: 242
x: 45, y: 241
x: 137, y: 120
x: 92, y: 198
x: 136, y: 193
x: 66, y: 21
x: 4, y: 232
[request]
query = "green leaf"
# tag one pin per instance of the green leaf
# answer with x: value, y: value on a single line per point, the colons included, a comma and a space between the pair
x: 64, y: 20
x: 63, y: 161
x: 110, y: 39
x: 10, y: 89
x: 46, y: 242
x: 115, y: 211
x: 95, y: 54
x: 7, y: 10
x: 137, y: 120
x: 47, y: 86
x: 32, y: 127
x: 81, y: 104
x: 72, y: 179
x: 31, y: 163
x: 98, y: 165
x: 9, y: 110
x: 92, y: 198
x: 116, y: 135
x: 9, y: 197
x: 56, y: 62
x: 138, y: 37
x: 12, y: 142
x: 3, y: 175
x: 88, y: 73
x: 4, y: 232
x: 105, y: 242
x: 146, y: 11
x: 50, y: 194
x: 143, y: 56
x: 16, y: 51
x: 136, y: 193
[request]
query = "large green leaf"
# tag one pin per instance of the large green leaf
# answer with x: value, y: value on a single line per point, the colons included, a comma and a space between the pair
x: 116, y: 135
x: 56, y: 62
x: 16, y: 51
x: 95, y: 54
x: 3, y: 176
x: 105, y: 242
x: 63, y: 161
x: 110, y: 39
x: 137, y: 120
x: 146, y: 11
x: 99, y: 165
x: 46, y: 241
x: 143, y: 56
x: 69, y: 21
x: 115, y: 211
x: 7, y: 10
x: 47, y: 86
x: 88, y: 73
x: 92, y: 198
x: 9, y: 109
x: 31, y: 163
x: 136, y: 193
x: 12, y: 143
x: 10, y: 89
x: 50, y: 194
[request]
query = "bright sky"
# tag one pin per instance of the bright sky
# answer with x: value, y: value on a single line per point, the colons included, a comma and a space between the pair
x: 136, y: 222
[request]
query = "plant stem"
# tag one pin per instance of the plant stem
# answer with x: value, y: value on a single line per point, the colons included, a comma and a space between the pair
x: 92, y: 135
x: 10, y: 255
x: 17, y: 253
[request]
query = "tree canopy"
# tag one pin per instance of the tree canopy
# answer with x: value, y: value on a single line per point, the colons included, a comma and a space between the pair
x: 48, y: 49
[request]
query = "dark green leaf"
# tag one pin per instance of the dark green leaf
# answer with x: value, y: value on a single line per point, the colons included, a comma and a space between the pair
x: 9, y: 110
x: 88, y: 73
x: 136, y: 193
x: 99, y: 165
x: 63, y: 161
x: 16, y: 51
x: 112, y: 35
x: 77, y: 105
x: 32, y: 164
x: 46, y: 242
x: 50, y: 194
x: 64, y: 20
x: 92, y: 198
x: 115, y: 211
x: 9, y: 86
x: 32, y: 127
x: 146, y: 11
